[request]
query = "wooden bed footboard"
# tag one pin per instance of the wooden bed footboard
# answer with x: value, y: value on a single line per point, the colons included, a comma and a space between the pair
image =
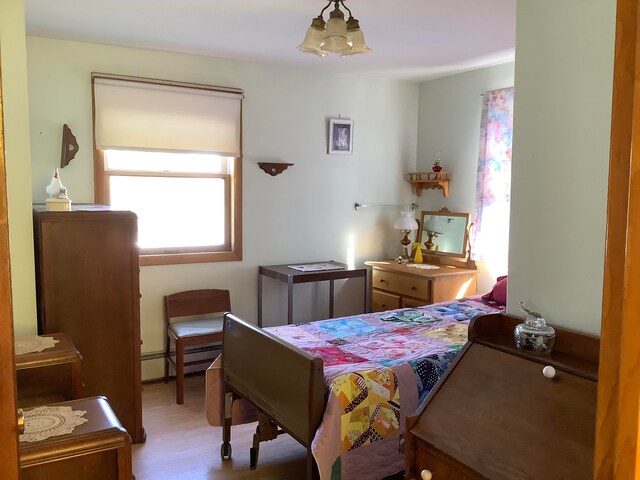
x: 284, y: 382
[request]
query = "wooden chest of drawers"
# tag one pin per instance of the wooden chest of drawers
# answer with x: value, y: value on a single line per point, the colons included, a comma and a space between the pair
x: 494, y: 415
x: 50, y: 376
x: 97, y: 449
x: 88, y: 286
x: 395, y: 285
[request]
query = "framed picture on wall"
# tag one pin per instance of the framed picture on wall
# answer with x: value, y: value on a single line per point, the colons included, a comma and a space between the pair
x: 340, y: 136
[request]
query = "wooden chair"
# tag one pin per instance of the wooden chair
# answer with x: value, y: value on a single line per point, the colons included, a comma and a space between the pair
x: 189, y: 332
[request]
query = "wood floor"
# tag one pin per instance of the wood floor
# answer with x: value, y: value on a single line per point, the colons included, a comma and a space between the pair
x: 181, y: 445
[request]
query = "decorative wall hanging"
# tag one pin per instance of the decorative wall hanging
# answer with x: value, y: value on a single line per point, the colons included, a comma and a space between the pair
x: 340, y: 136
x: 69, y: 146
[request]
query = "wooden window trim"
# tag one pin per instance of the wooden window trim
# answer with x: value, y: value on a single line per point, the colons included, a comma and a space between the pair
x: 101, y: 178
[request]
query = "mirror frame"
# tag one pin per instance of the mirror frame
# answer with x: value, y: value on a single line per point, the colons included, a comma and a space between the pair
x: 444, y: 212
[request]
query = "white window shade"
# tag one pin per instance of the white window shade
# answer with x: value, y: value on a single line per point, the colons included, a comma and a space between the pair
x: 136, y: 115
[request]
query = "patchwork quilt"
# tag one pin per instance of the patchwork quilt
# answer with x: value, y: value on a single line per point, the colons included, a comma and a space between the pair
x: 378, y: 368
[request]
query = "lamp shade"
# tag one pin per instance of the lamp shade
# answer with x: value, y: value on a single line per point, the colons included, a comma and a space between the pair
x: 338, y: 36
x: 406, y: 222
x: 433, y: 224
x: 336, y: 39
x: 313, y: 39
x: 357, y: 39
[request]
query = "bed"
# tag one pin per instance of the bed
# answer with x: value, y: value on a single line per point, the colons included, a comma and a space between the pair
x: 341, y: 387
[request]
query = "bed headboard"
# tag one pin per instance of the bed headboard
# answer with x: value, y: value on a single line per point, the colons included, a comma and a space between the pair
x: 282, y: 380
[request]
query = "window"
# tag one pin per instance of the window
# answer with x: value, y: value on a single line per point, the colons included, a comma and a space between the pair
x: 171, y: 154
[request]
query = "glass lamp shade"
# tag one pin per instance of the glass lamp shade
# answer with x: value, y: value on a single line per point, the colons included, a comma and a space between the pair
x: 336, y: 39
x: 433, y: 224
x: 406, y: 222
x: 336, y: 44
x: 357, y: 39
x: 313, y: 39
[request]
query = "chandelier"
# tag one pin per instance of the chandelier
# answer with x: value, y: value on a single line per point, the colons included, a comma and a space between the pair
x: 336, y: 35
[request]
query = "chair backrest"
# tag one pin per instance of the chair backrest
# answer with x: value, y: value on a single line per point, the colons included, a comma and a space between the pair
x: 196, y: 302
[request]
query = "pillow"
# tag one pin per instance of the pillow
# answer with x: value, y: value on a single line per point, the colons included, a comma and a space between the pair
x: 499, y: 291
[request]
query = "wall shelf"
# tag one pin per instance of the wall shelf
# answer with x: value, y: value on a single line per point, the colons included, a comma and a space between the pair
x: 274, y: 168
x: 428, y: 180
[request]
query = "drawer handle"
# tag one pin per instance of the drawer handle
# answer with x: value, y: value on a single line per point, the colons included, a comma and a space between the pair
x: 384, y: 305
x: 382, y: 280
x: 20, y: 421
x: 414, y: 288
x: 426, y: 475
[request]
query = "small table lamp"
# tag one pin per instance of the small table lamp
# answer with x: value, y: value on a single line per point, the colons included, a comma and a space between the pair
x: 432, y: 226
x: 406, y: 223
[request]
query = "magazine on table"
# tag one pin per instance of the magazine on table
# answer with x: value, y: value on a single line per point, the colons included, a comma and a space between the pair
x: 316, y: 267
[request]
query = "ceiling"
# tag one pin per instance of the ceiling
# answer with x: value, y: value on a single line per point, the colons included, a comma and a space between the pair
x: 411, y: 39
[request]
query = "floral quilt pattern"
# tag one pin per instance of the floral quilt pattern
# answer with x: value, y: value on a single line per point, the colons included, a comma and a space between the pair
x: 378, y: 368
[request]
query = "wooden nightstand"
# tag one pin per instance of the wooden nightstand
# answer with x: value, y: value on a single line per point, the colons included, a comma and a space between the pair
x: 395, y: 285
x: 99, y: 448
x: 52, y: 375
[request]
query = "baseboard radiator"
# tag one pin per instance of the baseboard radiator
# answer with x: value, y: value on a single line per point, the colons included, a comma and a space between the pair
x: 192, y: 351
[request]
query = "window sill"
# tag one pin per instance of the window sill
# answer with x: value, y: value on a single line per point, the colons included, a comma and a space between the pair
x: 201, y: 257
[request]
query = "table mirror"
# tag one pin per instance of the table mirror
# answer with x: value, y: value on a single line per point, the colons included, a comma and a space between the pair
x: 444, y: 233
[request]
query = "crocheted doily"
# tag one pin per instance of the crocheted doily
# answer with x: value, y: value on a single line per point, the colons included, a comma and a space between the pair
x: 33, y: 344
x: 423, y: 266
x: 50, y: 421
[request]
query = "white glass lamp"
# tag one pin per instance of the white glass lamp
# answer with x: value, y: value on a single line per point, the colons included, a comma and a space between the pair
x: 357, y: 39
x: 335, y: 38
x: 313, y: 39
x: 406, y: 223
x: 433, y: 227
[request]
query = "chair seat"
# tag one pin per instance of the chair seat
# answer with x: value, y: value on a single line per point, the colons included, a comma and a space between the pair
x: 194, y: 328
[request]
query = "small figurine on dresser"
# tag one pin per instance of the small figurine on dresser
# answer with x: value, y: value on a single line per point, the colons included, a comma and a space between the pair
x: 534, y: 335
x: 58, y: 200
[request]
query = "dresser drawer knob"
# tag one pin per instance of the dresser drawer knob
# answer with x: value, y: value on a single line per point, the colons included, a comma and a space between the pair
x: 549, y: 371
x: 384, y: 305
x: 382, y: 280
x: 414, y: 288
x: 426, y: 475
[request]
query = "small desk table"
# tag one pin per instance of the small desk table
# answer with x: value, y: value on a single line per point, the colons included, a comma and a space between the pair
x: 52, y: 375
x: 290, y: 276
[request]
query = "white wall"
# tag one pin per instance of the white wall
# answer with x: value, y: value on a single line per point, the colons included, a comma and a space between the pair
x: 16, y: 138
x: 449, y: 121
x: 564, y: 63
x: 304, y: 214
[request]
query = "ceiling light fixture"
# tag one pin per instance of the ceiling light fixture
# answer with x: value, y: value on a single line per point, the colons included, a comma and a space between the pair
x: 336, y: 35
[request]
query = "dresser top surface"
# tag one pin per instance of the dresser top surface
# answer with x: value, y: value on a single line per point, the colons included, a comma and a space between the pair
x: 64, y: 351
x: 411, y: 268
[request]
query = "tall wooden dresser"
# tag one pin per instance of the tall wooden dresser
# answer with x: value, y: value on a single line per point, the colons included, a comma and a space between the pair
x: 87, y: 282
x: 494, y: 415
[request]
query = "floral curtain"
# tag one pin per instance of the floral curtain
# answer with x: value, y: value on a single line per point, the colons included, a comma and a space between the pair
x: 493, y: 187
